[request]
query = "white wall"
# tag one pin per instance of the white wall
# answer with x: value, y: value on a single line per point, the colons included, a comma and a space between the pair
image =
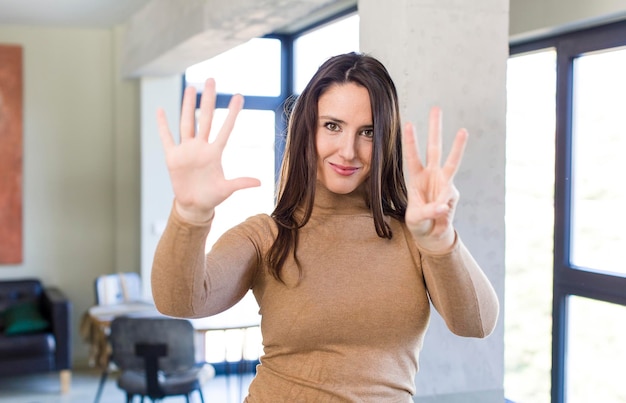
x: 127, y: 158
x: 79, y: 142
x: 156, y: 192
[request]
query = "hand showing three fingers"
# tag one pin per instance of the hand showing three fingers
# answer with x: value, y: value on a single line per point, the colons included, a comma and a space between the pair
x: 195, y: 165
x: 432, y: 196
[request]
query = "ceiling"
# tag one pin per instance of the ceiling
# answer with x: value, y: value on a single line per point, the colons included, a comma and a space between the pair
x: 68, y: 13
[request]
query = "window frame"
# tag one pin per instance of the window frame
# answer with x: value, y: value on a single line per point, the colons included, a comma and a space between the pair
x: 569, y: 280
x: 277, y: 103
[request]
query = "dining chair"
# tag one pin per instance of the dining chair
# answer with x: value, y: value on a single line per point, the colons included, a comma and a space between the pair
x: 113, y: 290
x: 156, y: 358
x: 118, y: 288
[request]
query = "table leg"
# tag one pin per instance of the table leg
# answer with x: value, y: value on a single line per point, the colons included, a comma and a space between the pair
x: 103, y: 379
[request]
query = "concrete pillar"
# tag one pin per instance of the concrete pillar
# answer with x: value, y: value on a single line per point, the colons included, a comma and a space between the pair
x: 453, y: 54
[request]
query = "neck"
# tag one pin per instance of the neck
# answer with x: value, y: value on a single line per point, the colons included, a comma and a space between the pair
x: 328, y: 202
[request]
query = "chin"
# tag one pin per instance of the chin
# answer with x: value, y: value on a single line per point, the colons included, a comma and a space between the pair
x: 342, y: 188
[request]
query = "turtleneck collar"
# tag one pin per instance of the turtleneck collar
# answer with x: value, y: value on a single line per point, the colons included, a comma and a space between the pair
x: 327, y: 202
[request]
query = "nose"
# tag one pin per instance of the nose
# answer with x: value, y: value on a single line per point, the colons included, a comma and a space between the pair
x: 347, y: 146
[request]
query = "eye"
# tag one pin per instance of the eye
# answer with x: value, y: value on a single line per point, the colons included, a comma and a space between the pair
x: 332, y: 126
x: 368, y: 133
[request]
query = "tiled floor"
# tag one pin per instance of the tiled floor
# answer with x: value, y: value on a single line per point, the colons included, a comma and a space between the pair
x: 44, y: 388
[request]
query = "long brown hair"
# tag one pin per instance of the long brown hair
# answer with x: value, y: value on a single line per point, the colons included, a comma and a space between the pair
x: 386, y: 190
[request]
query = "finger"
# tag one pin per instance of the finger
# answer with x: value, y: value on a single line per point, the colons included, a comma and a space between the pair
x: 164, y: 131
x: 207, y: 108
x: 234, y: 107
x: 423, y: 226
x: 410, y: 149
x: 244, y: 183
x: 433, y: 155
x: 188, y: 114
x: 442, y: 204
x: 432, y: 211
x: 447, y: 199
x: 453, y: 162
x: 233, y: 185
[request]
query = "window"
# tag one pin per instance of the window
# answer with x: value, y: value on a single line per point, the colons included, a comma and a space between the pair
x: 588, y: 296
x: 340, y: 36
x: 250, y: 152
x: 596, y: 351
x: 258, y: 70
x: 252, y: 68
x: 531, y: 88
x: 598, y: 147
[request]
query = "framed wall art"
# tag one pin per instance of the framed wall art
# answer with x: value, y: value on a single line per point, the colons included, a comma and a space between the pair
x: 11, y: 145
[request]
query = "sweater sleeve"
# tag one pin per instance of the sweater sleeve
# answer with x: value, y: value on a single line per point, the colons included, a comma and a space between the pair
x: 187, y: 282
x: 460, y: 291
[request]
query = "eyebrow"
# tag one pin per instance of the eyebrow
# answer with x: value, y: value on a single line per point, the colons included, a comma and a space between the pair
x: 328, y: 117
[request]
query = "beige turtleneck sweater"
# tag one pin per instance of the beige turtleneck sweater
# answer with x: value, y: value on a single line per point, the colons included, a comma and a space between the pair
x: 352, y: 328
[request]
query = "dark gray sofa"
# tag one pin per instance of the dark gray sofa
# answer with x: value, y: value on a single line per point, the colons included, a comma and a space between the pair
x: 35, y: 332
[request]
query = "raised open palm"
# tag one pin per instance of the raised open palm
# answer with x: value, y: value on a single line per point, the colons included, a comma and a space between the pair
x: 195, y: 164
x: 432, y: 196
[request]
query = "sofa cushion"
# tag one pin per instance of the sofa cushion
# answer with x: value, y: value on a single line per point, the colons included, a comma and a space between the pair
x: 26, y: 346
x: 18, y: 291
x: 24, y: 318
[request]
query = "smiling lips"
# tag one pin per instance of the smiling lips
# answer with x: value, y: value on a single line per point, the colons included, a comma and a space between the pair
x: 343, y: 170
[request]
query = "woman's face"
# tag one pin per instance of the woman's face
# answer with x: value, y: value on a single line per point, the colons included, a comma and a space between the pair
x: 344, y: 137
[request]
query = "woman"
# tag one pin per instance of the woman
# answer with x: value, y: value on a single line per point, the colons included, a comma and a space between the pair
x: 344, y: 267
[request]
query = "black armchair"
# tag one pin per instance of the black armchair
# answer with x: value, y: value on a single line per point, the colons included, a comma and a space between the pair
x: 35, y: 333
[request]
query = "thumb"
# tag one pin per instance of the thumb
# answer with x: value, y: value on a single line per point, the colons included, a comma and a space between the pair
x: 244, y: 183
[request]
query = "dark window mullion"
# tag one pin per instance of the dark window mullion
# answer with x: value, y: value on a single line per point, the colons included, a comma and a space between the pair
x: 286, y: 91
x: 595, y: 285
x: 598, y: 38
x: 562, y: 219
x: 559, y: 343
x: 250, y: 102
x: 563, y: 160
